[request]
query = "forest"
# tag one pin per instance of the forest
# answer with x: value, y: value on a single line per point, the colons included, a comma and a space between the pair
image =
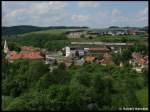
x: 29, y: 85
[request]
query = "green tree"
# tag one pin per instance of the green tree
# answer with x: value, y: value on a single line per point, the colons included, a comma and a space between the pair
x: 44, y: 82
x: 35, y: 71
x: 60, y: 76
x: 84, y: 78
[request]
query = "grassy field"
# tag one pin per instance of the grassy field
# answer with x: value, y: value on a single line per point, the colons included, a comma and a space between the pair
x: 142, y: 96
x: 54, y: 31
x: 127, y: 38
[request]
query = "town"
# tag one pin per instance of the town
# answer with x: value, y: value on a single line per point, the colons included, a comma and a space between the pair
x: 75, y: 55
x: 79, y: 53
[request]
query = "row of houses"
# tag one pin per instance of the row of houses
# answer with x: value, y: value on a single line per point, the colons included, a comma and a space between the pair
x: 102, y: 32
x: 103, y: 47
x: 86, y: 59
x: 80, y: 53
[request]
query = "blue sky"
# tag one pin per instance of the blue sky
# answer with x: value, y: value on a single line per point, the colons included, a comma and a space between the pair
x: 94, y: 14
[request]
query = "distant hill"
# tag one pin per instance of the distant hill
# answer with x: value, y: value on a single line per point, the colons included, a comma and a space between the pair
x: 145, y: 28
x: 13, y: 30
x: 111, y: 27
x: 19, y: 29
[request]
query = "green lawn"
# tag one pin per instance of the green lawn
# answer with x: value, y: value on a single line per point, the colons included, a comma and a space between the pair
x: 54, y: 31
x: 142, y: 96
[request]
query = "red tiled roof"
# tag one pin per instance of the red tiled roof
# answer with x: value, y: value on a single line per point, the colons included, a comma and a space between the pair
x: 89, y: 58
x: 98, y: 49
x: 106, y: 55
x: 14, y: 56
x: 27, y: 48
x: 67, y: 60
x: 136, y: 55
x: 141, y: 61
x: 32, y: 55
x: 107, y: 59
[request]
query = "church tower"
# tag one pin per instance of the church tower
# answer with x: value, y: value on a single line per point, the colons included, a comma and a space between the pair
x: 5, y: 47
x: 68, y: 51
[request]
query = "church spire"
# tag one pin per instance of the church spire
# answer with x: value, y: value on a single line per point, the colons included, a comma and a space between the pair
x: 5, y: 47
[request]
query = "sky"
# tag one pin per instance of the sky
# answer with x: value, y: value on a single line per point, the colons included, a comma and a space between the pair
x: 94, y: 14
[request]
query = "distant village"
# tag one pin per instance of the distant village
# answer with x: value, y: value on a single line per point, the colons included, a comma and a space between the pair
x: 78, y: 53
x: 102, y: 32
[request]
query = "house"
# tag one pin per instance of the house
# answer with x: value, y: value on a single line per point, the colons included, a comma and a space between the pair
x: 136, y: 32
x: 100, y: 50
x: 50, y: 58
x: 74, y: 51
x: 92, y: 34
x: 68, y: 61
x: 32, y: 55
x: 99, y: 47
x: 27, y: 48
x: 60, y: 60
x: 26, y: 53
x: 99, y: 32
x: 79, y: 62
x: 103, y: 43
x: 75, y: 34
x: 138, y: 61
x: 132, y: 32
x: 117, y: 31
x: 140, y: 33
x: 110, y: 33
x: 80, y: 53
x: 67, y: 50
x: 32, y: 49
x: 121, y: 32
x: 90, y: 59
x: 107, y: 60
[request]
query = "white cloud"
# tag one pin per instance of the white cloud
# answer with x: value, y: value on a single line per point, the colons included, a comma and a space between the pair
x: 116, y: 12
x: 118, y: 17
x: 101, y: 18
x: 45, y: 7
x: 37, y: 12
x: 143, y: 12
x: 16, y: 12
x: 88, y: 4
x: 80, y: 18
x: 102, y: 14
x: 142, y: 15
